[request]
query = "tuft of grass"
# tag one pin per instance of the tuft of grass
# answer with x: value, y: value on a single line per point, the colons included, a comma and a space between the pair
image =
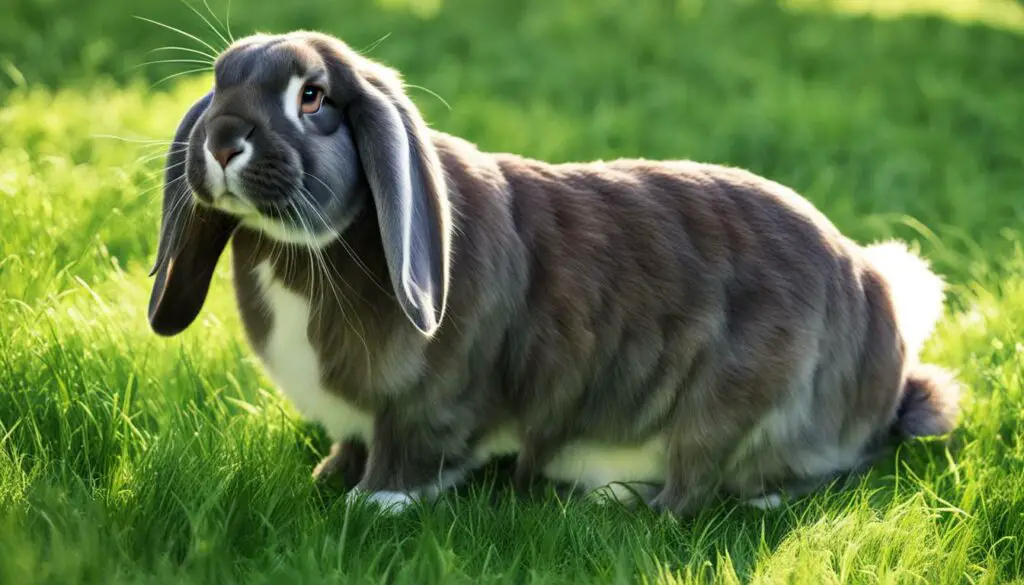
x: 126, y: 458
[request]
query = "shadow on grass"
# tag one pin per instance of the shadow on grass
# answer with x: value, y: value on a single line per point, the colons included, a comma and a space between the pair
x: 727, y: 526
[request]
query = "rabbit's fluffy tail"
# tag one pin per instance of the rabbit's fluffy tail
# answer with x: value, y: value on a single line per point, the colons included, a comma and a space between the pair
x: 931, y: 395
x: 917, y: 293
x: 930, y: 404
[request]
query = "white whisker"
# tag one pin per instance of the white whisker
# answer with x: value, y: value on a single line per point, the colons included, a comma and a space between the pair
x: 161, y: 61
x: 210, y: 58
x: 360, y: 332
x: 181, y: 32
x: 148, y: 190
x: 145, y: 141
x: 215, y: 30
x: 348, y: 249
x: 226, y: 29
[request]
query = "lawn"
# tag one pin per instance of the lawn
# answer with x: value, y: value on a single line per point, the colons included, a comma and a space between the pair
x: 127, y: 458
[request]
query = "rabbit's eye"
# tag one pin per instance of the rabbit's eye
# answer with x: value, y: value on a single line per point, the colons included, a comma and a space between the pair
x: 310, y: 99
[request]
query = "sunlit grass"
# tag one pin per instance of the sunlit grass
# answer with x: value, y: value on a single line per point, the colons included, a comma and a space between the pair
x: 1008, y: 14
x: 127, y: 458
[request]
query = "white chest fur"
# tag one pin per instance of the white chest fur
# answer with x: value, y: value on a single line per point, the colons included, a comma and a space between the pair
x: 292, y: 363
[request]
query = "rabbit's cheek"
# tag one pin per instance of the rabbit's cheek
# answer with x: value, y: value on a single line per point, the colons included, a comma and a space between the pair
x: 331, y: 183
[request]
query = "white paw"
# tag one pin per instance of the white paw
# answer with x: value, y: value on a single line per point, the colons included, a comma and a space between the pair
x: 623, y: 493
x: 391, y: 502
x: 766, y: 502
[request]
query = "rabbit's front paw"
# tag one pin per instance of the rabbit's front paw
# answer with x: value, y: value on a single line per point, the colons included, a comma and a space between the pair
x: 766, y: 502
x: 625, y: 493
x: 387, y: 501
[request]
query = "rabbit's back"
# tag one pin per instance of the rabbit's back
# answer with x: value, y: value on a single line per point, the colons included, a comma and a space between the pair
x: 638, y: 270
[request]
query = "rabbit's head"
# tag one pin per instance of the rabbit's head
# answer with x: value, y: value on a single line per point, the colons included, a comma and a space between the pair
x: 298, y: 137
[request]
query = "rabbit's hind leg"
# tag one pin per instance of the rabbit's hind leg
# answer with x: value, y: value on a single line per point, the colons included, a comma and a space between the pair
x: 739, y: 397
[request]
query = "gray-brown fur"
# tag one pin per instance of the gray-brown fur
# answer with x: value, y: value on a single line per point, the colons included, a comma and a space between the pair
x: 607, y: 301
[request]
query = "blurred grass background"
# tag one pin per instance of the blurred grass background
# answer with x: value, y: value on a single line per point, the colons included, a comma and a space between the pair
x: 125, y: 458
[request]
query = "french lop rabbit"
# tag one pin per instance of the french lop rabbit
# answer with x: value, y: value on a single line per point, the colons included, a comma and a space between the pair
x: 686, y: 326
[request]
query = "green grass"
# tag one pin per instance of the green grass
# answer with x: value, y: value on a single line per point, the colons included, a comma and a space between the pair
x: 125, y: 458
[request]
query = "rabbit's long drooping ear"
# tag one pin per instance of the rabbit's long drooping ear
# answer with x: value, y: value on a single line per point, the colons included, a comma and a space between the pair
x: 411, y: 198
x: 192, y: 239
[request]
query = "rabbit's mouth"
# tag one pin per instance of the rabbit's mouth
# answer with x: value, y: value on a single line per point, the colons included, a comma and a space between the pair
x: 237, y: 205
x: 281, y: 220
x: 286, y: 220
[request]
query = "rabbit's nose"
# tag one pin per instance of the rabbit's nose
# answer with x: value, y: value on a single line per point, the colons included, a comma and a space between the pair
x: 224, y: 155
x: 226, y: 137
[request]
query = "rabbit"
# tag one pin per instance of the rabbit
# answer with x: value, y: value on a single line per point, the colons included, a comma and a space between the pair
x: 691, y: 328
